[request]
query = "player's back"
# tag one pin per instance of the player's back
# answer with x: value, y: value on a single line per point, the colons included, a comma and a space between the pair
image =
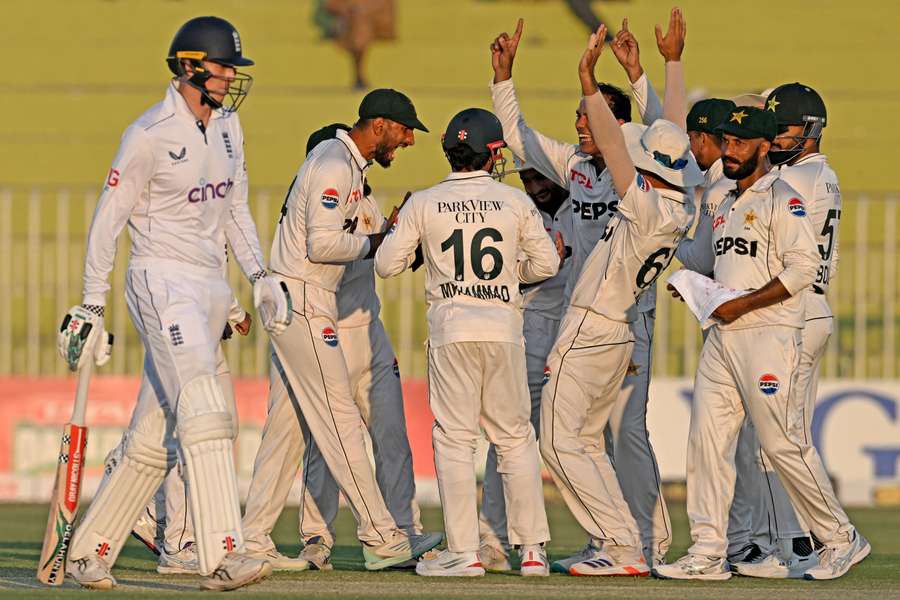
x: 472, y: 231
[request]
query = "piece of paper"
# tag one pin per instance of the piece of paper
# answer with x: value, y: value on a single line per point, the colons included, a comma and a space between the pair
x: 702, y: 294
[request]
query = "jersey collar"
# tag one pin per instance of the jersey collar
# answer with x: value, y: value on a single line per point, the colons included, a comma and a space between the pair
x: 467, y: 175
x: 361, y: 162
x: 178, y: 105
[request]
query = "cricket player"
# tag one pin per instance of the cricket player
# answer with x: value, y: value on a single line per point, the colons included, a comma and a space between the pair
x: 480, y: 240
x: 179, y: 182
x: 801, y: 116
x: 763, y: 241
x: 543, y: 307
x: 375, y: 382
x: 653, y: 172
x: 581, y: 169
x: 312, y: 245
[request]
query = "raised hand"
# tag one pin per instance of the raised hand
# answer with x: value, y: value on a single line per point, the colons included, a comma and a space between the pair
x: 589, y: 61
x: 671, y: 45
x: 625, y: 47
x: 503, y: 53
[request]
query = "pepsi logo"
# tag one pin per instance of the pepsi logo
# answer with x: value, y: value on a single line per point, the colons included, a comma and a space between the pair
x: 546, y: 376
x: 329, y: 336
x: 769, y: 384
x: 796, y: 207
x: 642, y: 183
x: 330, y: 198
x: 396, y: 368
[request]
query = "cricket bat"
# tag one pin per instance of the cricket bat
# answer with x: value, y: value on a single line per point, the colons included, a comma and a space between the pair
x: 66, y: 488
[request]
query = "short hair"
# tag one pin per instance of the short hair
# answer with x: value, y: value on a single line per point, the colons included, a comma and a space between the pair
x: 463, y: 158
x: 620, y: 103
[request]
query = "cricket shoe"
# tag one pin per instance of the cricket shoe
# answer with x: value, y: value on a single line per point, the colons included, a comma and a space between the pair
x: 451, y: 564
x: 91, y: 572
x: 593, y: 549
x: 399, y: 549
x: 533, y: 561
x: 145, y: 531
x: 695, y: 566
x: 235, y: 571
x: 836, y: 559
x: 278, y: 561
x: 749, y: 553
x: 775, y: 567
x: 494, y: 558
x: 317, y: 553
x: 183, y: 562
x: 613, y: 561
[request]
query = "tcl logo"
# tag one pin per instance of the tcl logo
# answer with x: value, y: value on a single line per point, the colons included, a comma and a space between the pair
x: 112, y: 180
x: 720, y: 220
x: 581, y: 179
x: 210, y: 191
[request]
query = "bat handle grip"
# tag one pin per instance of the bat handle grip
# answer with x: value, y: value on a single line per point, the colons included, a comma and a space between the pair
x: 84, y: 379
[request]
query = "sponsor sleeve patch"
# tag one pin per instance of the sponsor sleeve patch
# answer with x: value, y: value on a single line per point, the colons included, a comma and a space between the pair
x: 796, y: 207
x: 330, y: 198
x: 642, y: 183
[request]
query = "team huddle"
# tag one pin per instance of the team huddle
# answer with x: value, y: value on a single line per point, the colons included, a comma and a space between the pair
x: 541, y: 309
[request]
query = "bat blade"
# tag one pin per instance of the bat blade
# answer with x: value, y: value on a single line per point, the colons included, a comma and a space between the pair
x: 63, y: 505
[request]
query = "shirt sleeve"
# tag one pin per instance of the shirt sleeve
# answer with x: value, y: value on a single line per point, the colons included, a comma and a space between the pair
x: 127, y: 179
x: 326, y: 240
x: 647, y: 100
x: 240, y: 229
x: 397, y: 252
x: 697, y: 254
x: 608, y: 136
x: 675, y: 103
x: 551, y: 157
x: 795, y: 242
x: 540, y: 260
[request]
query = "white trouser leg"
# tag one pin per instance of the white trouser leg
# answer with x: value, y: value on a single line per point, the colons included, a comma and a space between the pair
x: 749, y: 519
x: 634, y: 459
x: 587, y: 367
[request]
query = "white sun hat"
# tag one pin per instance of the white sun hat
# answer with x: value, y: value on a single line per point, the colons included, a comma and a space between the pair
x: 664, y: 150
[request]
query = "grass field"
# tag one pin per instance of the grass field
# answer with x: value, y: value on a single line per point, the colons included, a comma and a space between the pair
x: 84, y: 69
x: 878, y: 577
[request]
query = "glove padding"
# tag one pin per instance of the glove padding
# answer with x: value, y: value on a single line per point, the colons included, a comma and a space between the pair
x: 273, y: 303
x: 82, y: 337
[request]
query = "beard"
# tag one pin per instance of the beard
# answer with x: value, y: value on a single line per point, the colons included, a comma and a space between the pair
x: 383, y: 154
x: 740, y: 170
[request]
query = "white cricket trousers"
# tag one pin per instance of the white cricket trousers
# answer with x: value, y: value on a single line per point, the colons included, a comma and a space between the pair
x: 474, y: 386
x: 587, y: 366
x: 754, y: 372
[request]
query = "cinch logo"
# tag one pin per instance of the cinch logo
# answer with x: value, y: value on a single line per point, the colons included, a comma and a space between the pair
x: 396, y: 367
x: 330, y: 198
x: 769, y: 384
x: 330, y: 337
x: 210, y: 191
x: 546, y: 378
x: 796, y: 207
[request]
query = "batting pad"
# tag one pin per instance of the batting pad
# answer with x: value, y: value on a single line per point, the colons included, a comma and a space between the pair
x: 205, y: 429
x: 128, y: 487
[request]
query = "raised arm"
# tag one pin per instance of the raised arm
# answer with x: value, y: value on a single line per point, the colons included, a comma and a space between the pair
x: 550, y: 157
x: 671, y: 47
x: 605, y: 129
x: 627, y: 52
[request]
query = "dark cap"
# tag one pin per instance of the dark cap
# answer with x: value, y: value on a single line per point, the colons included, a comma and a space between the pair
x: 796, y: 104
x: 749, y: 122
x: 326, y: 133
x: 475, y: 128
x: 390, y: 104
x: 708, y: 114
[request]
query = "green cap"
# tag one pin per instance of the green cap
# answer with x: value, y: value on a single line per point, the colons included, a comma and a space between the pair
x: 796, y: 104
x: 390, y: 104
x: 326, y: 133
x: 749, y: 122
x: 708, y: 114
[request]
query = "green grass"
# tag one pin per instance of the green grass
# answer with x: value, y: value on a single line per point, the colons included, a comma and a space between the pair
x: 81, y: 71
x: 877, y: 577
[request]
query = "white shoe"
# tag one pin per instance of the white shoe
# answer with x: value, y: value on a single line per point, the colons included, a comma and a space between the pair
x: 182, y: 562
x: 693, y: 566
x: 747, y: 554
x: 451, y: 564
x: 563, y: 565
x: 774, y: 567
x: 278, y: 561
x: 145, y: 531
x: 235, y: 571
x: 533, y: 561
x: 836, y: 559
x: 91, y: 572
x: 399, y: 549
x: 613, y: 561
x: 317, y: 554
x: 494, y: 558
